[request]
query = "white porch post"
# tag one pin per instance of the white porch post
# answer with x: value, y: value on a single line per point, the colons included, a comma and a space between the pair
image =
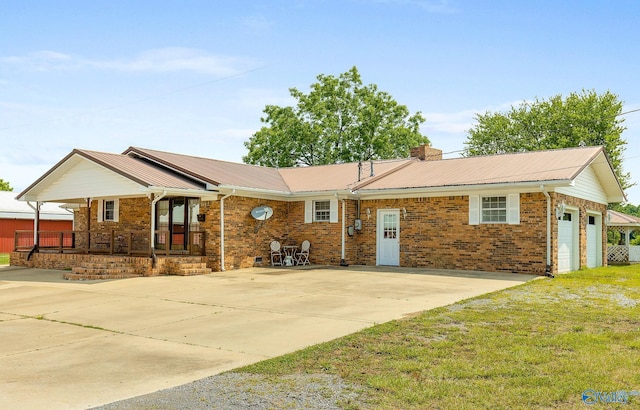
x: 36, y: 223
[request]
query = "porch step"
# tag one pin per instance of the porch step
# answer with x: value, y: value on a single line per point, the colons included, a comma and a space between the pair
x: 106, y: 268
x: 184, y: 267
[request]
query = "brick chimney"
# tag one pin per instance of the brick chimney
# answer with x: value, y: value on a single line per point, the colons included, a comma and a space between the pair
x: 426, y: 153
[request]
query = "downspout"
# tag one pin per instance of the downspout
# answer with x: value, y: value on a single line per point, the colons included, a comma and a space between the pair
x: 222, y: 229
x: 153, y: 226
x: 36, y: 228
x: 548, y: 269
x: 342, y: 256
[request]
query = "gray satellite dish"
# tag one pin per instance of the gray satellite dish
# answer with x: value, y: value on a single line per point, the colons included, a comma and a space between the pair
x: 262, y: 213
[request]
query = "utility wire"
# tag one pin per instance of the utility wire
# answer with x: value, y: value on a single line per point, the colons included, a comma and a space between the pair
x: 628, y: 112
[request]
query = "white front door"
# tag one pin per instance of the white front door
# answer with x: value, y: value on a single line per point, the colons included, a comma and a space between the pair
x: 565, y: 243
x: 388, y: 237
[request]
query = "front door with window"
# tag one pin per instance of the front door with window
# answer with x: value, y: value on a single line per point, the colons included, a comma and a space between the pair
x: 176, y: 217
x: 388, y: 237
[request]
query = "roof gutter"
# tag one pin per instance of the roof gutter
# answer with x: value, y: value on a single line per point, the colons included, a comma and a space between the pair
x: 281, y: 195
x: 516, y: 186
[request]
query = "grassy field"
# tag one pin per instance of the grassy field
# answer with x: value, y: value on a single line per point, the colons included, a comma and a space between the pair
x: 4, y: 258
x: 538, y: 345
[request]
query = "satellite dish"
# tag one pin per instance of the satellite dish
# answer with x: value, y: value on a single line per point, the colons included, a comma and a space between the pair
x: 262, y: 213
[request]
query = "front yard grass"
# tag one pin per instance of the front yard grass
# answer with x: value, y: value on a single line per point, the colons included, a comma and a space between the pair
x: 537, y: 345
x: 4, y: 258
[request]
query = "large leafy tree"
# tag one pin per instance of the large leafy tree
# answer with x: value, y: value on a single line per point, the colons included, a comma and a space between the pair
x: 4, y: 185
x: 339, y: 120
x: 580, y: 119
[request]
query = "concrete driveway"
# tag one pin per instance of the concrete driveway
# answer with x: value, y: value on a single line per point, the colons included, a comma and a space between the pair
x: 82, y: 344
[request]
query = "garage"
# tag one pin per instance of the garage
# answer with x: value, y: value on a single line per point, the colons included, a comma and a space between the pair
x: 567, y: 243
x: 594, y: 254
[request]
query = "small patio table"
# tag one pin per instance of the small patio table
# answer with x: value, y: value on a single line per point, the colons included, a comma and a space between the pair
x: 290, y: 253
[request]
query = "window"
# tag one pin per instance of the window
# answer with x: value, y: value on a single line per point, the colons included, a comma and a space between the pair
x: 494, y: 209
x: 108, y: 210
x: 321, y: 211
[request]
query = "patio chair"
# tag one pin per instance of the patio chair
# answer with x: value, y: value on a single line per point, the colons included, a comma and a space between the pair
x: 302, y: 257
x: 276, y: 254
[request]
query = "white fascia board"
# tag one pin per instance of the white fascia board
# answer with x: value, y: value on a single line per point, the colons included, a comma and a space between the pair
x: 177, y: 191
x: 283, y: 195
x: 460, y: 190
x: 340, y: 194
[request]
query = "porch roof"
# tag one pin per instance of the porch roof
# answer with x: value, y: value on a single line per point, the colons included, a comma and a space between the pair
x: 85, y: 173
x: 616, y: 218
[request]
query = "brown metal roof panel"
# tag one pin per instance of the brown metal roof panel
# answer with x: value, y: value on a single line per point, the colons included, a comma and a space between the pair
x: 618, y: 218
x: 215, y: 171
x: 336, y: 176
x: 556, y: 165
x: 140, y: 171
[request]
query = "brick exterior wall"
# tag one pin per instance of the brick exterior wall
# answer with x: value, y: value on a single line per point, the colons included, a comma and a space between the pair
x: 435, y: 233
x: 244, y: 237
x: 584, y: 207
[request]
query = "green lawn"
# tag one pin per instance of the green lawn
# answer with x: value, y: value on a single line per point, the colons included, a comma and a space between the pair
x: 4, y: 258
x: 537, y: 345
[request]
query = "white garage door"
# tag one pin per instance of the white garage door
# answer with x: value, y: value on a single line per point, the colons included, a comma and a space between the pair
x: 592, y: 242
x: 565, y: 243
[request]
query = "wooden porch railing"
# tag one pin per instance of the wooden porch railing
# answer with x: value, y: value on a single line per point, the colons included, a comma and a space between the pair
x: 114, y: 242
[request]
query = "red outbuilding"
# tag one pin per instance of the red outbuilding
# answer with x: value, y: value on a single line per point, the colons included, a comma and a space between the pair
x: 17, y: 215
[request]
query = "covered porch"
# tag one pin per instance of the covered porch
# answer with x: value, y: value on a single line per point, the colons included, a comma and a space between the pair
x: 623, y: 238
x: 112, y: 242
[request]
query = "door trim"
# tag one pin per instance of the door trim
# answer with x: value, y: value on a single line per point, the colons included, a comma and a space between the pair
x: 379, y: 224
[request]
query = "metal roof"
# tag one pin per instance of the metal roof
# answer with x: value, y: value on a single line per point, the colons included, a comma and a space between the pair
x: 339, y: 176
x: 215, y: 171
x: 11, y: 208
x: 536, y: 166
x: 616, y: 218
x: 140, y: 171
x: 152, y: 168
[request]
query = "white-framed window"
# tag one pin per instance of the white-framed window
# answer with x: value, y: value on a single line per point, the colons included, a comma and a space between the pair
x: 321, y: 211
x: 108, y: 210
x: 494, y: 209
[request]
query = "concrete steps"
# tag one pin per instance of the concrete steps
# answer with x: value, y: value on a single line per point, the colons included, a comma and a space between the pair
x: 102, y: 268
x: 184, y: 266
x: 115, y: 267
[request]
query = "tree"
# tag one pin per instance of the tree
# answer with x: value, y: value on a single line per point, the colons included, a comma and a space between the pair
x: 339, y: 120
x: 4, y: 185
x: 581, y: 119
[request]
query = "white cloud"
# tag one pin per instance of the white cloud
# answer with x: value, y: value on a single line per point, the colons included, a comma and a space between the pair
x: 167, y: 59
x: 256, y: 23
x: 431, y: 6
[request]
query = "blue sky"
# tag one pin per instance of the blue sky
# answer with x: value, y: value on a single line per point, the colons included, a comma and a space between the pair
x: 194, y: 76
